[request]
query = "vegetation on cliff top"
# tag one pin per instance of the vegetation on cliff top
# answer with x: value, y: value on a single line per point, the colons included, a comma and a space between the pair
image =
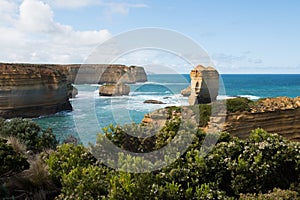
x: 264, y: 166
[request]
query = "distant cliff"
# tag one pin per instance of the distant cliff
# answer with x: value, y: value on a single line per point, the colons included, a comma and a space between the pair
x: 102, y: 73
x: 32, y: 90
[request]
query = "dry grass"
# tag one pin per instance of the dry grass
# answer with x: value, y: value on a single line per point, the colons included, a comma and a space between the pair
x: 34, y: 183
x: 17, y: 145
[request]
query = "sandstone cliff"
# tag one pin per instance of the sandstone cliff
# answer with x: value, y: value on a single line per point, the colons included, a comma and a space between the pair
x: 102, y: 73
x: 114, y: 89
x: 204, y: 85
x: 28, y: 90
x: 276, y: 115
x: 283, y: 122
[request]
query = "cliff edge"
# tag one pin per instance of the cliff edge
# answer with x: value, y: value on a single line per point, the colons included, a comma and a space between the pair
x: 30, y: 91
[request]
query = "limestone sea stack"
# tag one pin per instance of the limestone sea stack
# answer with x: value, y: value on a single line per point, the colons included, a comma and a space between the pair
x: 204, y: 85
x: 28, y: 90
x: 114, y: 89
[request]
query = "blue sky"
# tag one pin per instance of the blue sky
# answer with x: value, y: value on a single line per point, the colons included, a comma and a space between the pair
x: 239, y: 36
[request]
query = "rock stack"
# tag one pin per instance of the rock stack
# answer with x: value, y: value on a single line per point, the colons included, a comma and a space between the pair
x: 114, y: 89
x: 204, y: 85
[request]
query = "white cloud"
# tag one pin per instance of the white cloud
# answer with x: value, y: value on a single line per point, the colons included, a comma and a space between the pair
x: 30, y: 34
x: 73, y: 3
x: 8, y: 10
x: 36, y: 16
x: 121, y: 8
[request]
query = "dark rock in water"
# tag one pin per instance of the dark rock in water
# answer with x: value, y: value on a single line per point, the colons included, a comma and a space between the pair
x: 72, y: 91
x: 167, y: 98
x: 114, y: 90
x: 70, y: 139
x: 28, y: 90
x: 154, y: 102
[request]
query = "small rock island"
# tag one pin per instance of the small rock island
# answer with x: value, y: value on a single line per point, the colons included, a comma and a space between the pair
x: 117, y: 89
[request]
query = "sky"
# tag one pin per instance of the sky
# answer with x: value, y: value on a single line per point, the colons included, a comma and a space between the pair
x: 240, y: 36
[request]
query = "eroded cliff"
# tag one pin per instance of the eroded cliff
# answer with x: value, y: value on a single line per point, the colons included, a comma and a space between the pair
x: 102, y: 73
x: 28, y: 90
x: 276, y: 115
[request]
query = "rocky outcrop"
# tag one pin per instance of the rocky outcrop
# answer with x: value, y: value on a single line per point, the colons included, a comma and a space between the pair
x: 28, y: 90
x: 114, y: 89
x: 283, y: 122
x: 186, y: 92
x: 154, y: 102
x: 276, y: 115
x: 204, y: 85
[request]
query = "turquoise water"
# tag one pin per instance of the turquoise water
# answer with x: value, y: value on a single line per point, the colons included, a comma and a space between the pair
x: 92, y: 113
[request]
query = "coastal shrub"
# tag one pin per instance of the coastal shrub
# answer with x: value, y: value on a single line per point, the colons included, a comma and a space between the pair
x: 275, y: 194
x: 233, y: 166
x: 267, y: 161
x: 204, y: 114
x: 171, y: 109
x: 259, y: 164
x: 29, y: 133
x: 11, y: 161
x: 238, y: 104
x: 91, y: 182
x: 125, y: 185
x: 66, y: 158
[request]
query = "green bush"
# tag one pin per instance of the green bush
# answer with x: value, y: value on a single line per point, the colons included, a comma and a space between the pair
x: 66, y: 158
x: 205, y: 113
x: 277, y: 194
x: 11, y: 161
x: 238, y: 104
x: 90, y: 182
x: 250, y: 167
x: 29, y: 133
x: 262, y: 162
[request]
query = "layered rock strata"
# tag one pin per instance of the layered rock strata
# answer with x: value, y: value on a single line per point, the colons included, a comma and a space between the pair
x: 283, y: 122
x: 32, y: 90
x: 276, y: 115
x: 102, y: 73
x: 204, y: 85
x: 114, y: 90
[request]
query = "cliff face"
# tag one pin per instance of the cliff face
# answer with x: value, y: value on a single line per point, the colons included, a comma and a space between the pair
x: 101, y: 73
x: 30, y: 91
x: 204, y: 85
x: 114, y: 90
x: 283, y: 122
x: 276, y: 115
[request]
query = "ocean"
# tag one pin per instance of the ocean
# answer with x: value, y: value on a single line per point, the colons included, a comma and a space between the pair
x: 92, y: 113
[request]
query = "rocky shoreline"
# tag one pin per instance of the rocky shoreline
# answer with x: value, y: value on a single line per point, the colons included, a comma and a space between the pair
x: 275, y: 115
